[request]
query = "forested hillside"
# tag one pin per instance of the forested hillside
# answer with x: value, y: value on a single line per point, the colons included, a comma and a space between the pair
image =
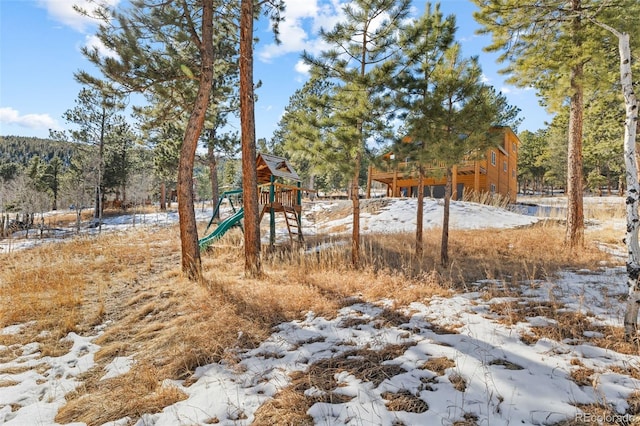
x: 17, y: 151
x: 42, y: 174
x: 21, y: 149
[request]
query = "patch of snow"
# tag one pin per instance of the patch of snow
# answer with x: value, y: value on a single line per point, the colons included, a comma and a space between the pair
x: 118, y: 366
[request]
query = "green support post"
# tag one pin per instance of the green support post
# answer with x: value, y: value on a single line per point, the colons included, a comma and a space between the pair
x: 299, y: 216
x: 272, y: 215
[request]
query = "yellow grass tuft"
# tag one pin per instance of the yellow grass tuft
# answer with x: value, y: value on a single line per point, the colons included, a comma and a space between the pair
x: 135, y: 393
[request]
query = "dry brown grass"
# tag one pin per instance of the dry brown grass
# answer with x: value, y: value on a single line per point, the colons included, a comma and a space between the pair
x: 390, y: 268
x: 564, y: 325
x: 170, y: 326
x: 404, y: 400
x: 7, y: 383
x: 468, y: 419
x: 634, y: 403
x: 132, y: 394
x: 439, y: 364
x: 458, y: 382
x: 288, y: 407
x: 290, y: 404
x: 581, y: 375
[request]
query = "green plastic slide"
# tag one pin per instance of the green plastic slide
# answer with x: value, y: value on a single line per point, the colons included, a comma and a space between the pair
x: 222, y: 228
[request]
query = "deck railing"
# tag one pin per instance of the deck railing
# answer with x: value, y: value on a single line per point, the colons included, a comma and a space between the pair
x: 278, y: 193
x: 410, y: 167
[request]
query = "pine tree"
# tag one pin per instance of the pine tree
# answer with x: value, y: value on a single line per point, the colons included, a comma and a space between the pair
x: 462, y: 111
x: 167, y: 50
x: 299, y: 136
x: 362, y: 57
x: 424, y: 44
x: 97, y: 110
x: 530, y: 169
x: 553, y: 47
x: 252, y: 265
x: 603, y: 152
x: 119, y: 159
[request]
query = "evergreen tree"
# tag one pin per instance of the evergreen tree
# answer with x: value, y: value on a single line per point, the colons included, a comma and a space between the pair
x: 168, y: 50
x: 120, y: 159
x: 554, y: 156
x: 252, y: 264
x: 553, y: 47
x: 300, y: 138
x: 462, y: 111
x: 603, y: 150
x: 362, y: 57
x: 8, y: 171
x: 53, y: 172
x: 95, y: 115
x: 424, y: 43
x: 232, y: 174
x: 531, y: 169
x: 35, y: 171
x: 248, y: 9
x: 164, y: 139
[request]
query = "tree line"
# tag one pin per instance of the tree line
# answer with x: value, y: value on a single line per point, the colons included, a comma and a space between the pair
x: 542, y: 159
x: 38, y: 175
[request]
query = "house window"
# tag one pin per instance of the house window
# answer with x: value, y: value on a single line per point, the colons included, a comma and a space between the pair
x: 513, y: 173
x: 504, y: 166
x: 514, y: 147
x: 493, y: 188
x: 493, y: 158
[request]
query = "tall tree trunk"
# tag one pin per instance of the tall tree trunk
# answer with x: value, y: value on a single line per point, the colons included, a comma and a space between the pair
x: 575, y: 215
x: 631, y: 126
x: 124, y: 196
x: 444, y: 246
x: 191, y: 262
x: 163, y: 196
x: 420, y: 212
x: 633, y: 189
x: 355, y: 197
x: 252, y: 266
x: 97, y: 213
x: 355, y: 201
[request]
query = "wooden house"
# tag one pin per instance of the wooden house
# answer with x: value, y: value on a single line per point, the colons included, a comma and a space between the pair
x: 495, y: 173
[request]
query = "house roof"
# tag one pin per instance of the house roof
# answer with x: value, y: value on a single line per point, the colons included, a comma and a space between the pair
x: 271, y: 165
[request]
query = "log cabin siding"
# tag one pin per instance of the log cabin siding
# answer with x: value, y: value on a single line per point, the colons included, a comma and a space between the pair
x: 475, y: 176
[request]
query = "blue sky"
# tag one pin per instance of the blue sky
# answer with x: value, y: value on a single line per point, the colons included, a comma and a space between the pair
x: 40, y: 43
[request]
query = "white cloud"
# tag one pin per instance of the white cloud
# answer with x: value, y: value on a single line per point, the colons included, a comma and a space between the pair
x: 302, y: 68
x: 31, y: 121
x: 93, y: 42
x: 329, y: 15
x: 301, y: 26
x: 63, y: 12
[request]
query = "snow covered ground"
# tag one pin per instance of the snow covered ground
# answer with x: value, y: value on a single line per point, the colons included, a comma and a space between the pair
x: 494, y: 378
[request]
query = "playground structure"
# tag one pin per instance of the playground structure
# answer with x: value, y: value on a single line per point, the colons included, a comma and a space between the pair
x: 273, y: 197
x: 225, y: 225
